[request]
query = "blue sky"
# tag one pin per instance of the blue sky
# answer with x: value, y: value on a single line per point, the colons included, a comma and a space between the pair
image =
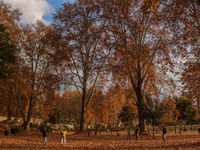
x: 33, y: 10
x: 57, y: 4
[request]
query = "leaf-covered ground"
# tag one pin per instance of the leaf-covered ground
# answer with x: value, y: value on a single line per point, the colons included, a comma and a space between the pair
x: 31, y: 140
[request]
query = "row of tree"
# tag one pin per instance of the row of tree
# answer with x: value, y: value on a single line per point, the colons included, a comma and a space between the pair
x: 95, y: 45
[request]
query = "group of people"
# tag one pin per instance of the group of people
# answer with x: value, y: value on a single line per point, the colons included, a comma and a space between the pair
x: 64, y: 133
x: 138, y: 137
x: 63, y: 136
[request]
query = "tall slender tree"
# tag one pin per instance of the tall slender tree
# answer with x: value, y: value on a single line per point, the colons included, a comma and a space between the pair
x: 36, y: 65
x: 83, y: 40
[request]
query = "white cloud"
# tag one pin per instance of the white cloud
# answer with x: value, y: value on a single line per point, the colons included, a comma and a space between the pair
x: 32, y: 10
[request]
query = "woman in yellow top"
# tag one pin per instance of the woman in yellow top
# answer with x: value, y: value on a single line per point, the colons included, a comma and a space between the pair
x: 63, y: 136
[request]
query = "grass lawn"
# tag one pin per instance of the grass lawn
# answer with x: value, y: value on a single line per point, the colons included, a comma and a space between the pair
x: 34, y: 141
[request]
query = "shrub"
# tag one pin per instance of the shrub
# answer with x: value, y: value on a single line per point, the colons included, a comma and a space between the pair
x: 172, y: 129
x: 44, y: 125
x: 31, y: 124
x: 14, y: 131
x: 6, y: 132
x: 103, y: 126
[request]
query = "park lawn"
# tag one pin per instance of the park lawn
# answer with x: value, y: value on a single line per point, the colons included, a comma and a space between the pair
x: 31, y: 140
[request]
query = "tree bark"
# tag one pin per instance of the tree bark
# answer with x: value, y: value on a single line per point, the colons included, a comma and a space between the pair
x: 83, y: 110
x: 26, y: 125
x: 83, y: 118
x: 140, y: 110
x: 141, y: 124
x: 9, y: 113
x: 153, y: 130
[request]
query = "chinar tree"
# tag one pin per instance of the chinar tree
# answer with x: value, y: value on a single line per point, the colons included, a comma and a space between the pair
x: 82, y: 48
x: 141, y: 38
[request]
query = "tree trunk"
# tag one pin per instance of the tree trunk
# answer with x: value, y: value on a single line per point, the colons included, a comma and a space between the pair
x: 141, y: 123
x: 69, y: 115
x: 83, y: 112
x: 9, y: 113
x: 83, y: 118
x: 141, y: 113
x: 153, y: 131
x: 26, y: 125
x: 84, y: 107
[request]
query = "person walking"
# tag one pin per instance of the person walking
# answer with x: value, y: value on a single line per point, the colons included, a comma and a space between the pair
x: 137, y: 134
x: 45, y: 136
x: 164, y: 133
x: 199, y: 129
x: 129, y: 133
x: 175, y: 130
x: 63, y: 136
x: 88, y: 130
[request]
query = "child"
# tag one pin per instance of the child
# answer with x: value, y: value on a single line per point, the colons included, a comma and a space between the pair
x: 45, y: 136
x: 63, y: 136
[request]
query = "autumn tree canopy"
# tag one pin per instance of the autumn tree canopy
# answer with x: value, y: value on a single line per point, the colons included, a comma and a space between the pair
x: 6, y: 53
x: 113, y: 53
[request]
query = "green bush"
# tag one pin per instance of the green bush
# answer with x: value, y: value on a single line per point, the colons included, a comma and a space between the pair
x: 172, y: 129
x: 44, y: 125
x: 6, y: 132
x: 103, y: 126
x: 14, y: 130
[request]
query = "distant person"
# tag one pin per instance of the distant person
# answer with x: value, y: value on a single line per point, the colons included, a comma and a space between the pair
x: 175, y: 130
x: 137, y: 136
x: 129, y: 133
x: 45, y: 136
x: 164, y: 133
x: 185, y: 129
x: 88, y: 130
x: 63, y: 136
x: 199, y: 129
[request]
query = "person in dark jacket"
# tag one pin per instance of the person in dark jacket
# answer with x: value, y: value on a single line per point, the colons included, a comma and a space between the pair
x: 129, y: 133
x: 45, y: 136
x: 137, y: 136
x: 164, y: 133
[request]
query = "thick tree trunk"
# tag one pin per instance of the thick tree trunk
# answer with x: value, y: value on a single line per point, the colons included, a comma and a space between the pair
x: 26, y: 125
x: 84, y: 107
x: 69, y: 115
x: 153, y: 131
x: 142, y: 124
x: 141, y: 111
x: 83, y: 118
x: 9, y: 113
x: 83, y: 112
